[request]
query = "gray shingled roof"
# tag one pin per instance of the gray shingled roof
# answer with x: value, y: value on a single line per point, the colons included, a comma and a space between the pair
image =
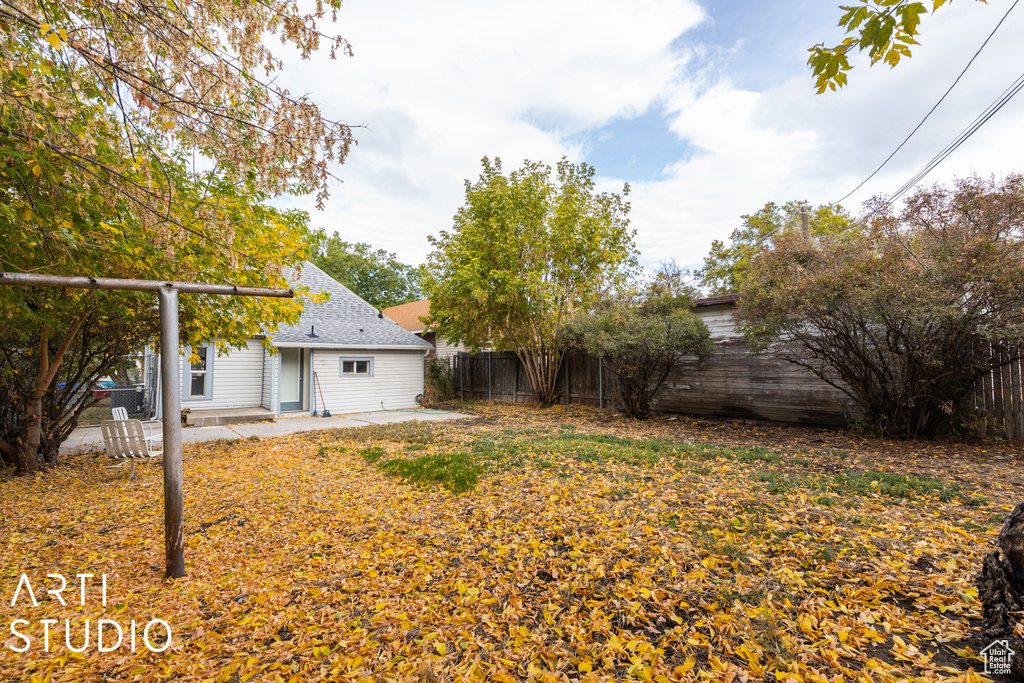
x: 344, y: 320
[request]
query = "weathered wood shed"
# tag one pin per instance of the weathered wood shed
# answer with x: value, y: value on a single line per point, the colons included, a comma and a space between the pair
x: 731, y: 383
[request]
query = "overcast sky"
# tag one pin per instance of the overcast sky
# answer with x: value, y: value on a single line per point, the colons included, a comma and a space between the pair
x: 706, y: 108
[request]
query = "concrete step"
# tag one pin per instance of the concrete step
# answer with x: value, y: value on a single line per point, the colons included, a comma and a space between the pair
x: 210, y: 418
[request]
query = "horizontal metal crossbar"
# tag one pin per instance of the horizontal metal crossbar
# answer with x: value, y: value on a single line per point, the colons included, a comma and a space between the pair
x: 85, y: 282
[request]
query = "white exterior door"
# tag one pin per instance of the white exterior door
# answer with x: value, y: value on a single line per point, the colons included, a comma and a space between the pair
x: 291, y: 379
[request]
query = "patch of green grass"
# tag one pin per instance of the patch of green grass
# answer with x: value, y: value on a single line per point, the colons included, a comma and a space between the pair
x: 703, y: 452
x: 373, y: 454
x: 515, y: 448
x: 732, y: 551
x: 671, y: 519
x: 891, y: 484
x: 757, y: 453
x: 454, y: 471
x: 968, y: 524
x: 550, y: 449
x: 512, y: 448
x: 414, y: 431
x: 776, y: 482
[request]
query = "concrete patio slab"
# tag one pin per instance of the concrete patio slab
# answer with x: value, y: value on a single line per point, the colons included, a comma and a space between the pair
x: 290, y: 425
x: 379, y: 417
x: 88, y: 439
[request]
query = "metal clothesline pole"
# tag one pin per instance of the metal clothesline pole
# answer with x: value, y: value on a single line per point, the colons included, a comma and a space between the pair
x: 167, y: 293
x: 174, y: 487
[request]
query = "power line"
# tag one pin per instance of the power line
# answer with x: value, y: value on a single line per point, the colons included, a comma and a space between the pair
x: 934, y: 107
x: 983, y: 118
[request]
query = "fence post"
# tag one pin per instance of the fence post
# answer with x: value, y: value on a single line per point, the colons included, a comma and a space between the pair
x: 462, y: 377
x: 600, y: 381
x: 1014, y: 425
x: 990, y: 409
x: 515, y: 379
x: 489, y: 357
x: 1007, y: 392
x: 568, y: 386
x: 1019, y: 398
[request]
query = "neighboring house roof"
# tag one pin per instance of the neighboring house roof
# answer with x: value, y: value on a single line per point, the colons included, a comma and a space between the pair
x: 719, y: 299
x: 344, y: 321
x: 408, y: 315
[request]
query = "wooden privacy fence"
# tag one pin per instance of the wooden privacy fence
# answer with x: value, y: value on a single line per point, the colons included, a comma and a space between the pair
x: 729, y: 384
x: 999, y: 398
x: 500, y: 377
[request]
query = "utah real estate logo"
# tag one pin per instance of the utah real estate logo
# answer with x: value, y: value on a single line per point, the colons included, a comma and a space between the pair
x: 997, y: 657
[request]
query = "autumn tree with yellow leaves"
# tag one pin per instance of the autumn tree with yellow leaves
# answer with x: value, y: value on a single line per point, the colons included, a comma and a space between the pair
x: 527, y: 251
x: 143, y: 140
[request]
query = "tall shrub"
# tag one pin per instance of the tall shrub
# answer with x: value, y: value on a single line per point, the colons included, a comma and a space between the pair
x: 639, y: 344
x: 903, y: 315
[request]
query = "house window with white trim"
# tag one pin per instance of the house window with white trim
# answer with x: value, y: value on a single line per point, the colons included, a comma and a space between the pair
x: 356, y: 367
x: 198, y: 373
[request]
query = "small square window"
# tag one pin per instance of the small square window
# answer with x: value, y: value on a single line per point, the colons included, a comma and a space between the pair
x: 357, y: 366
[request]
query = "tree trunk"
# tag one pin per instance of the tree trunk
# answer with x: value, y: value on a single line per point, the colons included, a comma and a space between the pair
x: 28, y: 457
x: 1001, y: 579
x: 541, y: 367
x: 28, y: 450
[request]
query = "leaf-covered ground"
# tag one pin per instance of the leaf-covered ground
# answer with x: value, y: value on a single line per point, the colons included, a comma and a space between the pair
x: 558, y: 545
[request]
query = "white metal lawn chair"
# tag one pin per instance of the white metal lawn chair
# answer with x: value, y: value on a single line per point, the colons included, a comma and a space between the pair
x: 125, y: 441
x: 121, y: 413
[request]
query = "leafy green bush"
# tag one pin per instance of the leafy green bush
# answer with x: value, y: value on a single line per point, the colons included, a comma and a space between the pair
x: 639, y: 344
x: 439, y: 381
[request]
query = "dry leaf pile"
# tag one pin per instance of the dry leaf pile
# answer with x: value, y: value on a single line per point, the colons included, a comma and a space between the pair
x: 585, y: 547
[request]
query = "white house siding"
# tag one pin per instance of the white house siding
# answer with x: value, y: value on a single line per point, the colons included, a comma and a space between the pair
x: 266, y: 393
x: 237, y: 380
x: 397, y: 380
x: 445, y: 349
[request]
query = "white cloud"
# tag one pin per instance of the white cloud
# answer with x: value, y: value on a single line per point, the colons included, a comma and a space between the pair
x: 440, y: 85
x: 787, y: 143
